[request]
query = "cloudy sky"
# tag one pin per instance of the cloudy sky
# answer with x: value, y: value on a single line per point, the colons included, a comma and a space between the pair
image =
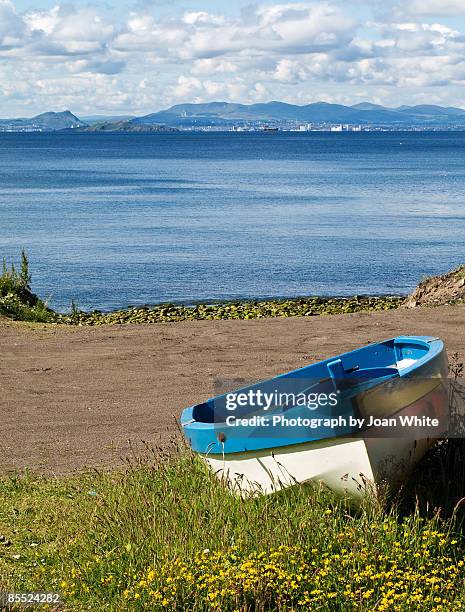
x: 137, y: 57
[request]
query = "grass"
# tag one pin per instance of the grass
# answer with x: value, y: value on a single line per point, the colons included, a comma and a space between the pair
x: 18, y: 302
x: 457, y: 274
x: 163, y: 534
x: 460, y: 272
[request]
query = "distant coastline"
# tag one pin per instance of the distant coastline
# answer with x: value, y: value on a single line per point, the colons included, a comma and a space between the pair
x: 270, y: 116
x: 123, y: 127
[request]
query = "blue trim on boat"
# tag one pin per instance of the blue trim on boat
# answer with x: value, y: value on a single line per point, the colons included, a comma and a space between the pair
x: 349, y: 374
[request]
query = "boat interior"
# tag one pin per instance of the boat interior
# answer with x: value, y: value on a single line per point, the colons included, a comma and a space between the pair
x: 358, y: 369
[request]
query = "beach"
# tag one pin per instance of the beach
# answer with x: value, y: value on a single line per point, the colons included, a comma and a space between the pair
x: 76, y: 397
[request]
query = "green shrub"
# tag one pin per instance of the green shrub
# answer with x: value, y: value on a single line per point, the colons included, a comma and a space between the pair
x: 17, y: 301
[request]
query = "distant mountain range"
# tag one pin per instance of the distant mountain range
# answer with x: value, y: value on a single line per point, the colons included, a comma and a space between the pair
x: 217, y: 113
x: 226, y: 114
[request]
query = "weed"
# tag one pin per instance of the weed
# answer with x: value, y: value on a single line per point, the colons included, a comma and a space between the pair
x: 17, y: 301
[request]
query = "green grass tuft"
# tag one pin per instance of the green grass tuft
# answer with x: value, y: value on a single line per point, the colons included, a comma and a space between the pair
x: 17, y: 301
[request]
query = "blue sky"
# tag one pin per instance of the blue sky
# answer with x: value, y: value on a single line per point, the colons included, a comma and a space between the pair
x: 137, y: 57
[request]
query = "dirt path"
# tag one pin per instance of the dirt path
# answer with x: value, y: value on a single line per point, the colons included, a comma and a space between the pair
x: 73, y: 397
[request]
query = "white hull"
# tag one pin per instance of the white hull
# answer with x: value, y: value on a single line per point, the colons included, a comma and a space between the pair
x: 346, y: 465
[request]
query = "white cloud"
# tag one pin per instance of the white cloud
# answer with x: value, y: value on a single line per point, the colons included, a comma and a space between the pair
x: 104, y: 66
x: 289, y: 71
x: 296, y: 28
x: 85, y: 56
x: 436, y: 7
x: 12, y: 27
x: 214, y: 66
x: 201, y: 90
x: 201, y: 17
x: 303, y: 26
x: 69, y: 31
x: 417, y: 39
x: 43, y: 21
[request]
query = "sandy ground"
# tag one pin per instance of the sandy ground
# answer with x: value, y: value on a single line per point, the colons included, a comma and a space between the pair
x: 74, y: 397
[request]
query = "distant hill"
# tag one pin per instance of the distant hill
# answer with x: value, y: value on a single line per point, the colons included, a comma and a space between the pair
x: 432, y: 111
x: 48, y: 122
x: 125, y: 126
x: 224, y: 113
x: 58, y: 121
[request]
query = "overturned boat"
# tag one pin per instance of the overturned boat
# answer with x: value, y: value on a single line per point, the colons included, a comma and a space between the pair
x: 352, y: 421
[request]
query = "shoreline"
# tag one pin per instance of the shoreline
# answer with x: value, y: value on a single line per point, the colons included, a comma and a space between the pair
x: 237, y: 309
x: 19, y: 302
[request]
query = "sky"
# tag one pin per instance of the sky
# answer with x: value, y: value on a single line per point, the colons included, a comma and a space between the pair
x: 114, y: 57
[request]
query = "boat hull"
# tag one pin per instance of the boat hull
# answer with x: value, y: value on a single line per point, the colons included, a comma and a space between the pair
x: 342, y: 464
x: 349, y: 466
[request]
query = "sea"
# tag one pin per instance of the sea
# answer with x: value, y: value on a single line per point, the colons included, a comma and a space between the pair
x: 117, y: 220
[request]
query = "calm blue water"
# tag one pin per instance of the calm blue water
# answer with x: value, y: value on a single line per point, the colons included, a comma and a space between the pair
x: 112, y: 220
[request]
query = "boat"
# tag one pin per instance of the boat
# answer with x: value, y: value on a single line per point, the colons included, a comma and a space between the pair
x: 360, y: 420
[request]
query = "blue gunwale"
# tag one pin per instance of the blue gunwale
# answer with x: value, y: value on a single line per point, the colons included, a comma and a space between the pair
x: 202, y: 424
